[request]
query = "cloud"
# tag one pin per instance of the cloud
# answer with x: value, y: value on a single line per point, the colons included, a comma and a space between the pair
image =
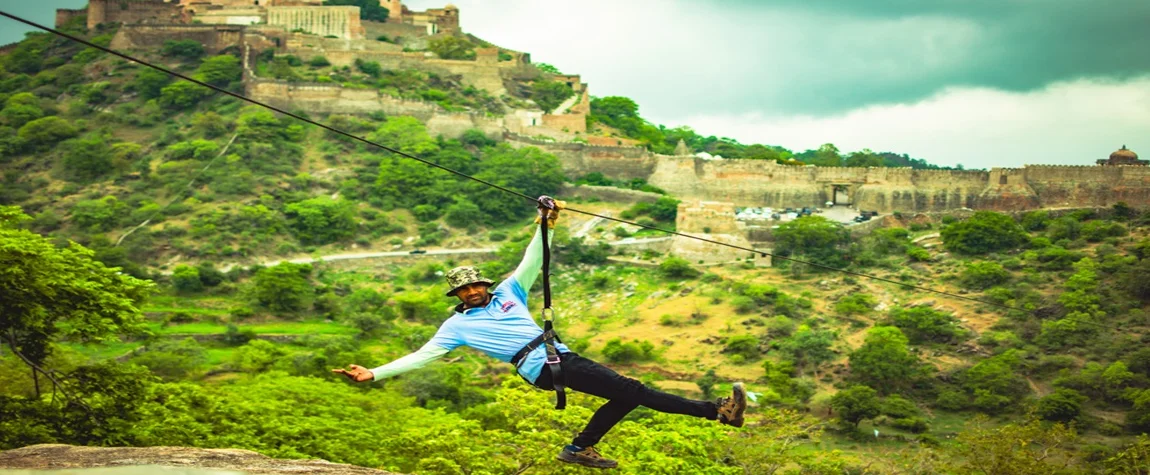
x: 1074, y: 122
x: 820, y: 56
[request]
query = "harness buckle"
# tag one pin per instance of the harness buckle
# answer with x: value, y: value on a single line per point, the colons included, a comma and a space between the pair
x: 553, y: 361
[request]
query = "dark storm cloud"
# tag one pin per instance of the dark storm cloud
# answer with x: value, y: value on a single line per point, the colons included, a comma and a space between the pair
x: 843, y: 54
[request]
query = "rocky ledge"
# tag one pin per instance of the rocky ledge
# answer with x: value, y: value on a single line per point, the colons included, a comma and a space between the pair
x: 165, y: 460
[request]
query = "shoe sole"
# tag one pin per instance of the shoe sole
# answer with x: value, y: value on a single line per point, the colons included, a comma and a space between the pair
x: 575, y: 459
x: 741, y: 399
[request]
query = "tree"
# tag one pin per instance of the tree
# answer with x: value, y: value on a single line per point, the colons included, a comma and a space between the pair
x: 1026, y: 448
x: 220, y: 70
x: 923, y: 324
x: 368, y: 9
x: 370, y: 68
x: 87, y: 158
x: 452, y: 47
x: 677, y: 268
x: 52, y: 292
x: 150, y: 82
x: 322, y: 220
x: 809, y: 347
x: 186, y: 279
x: 984, y: 232
x: 1063, y: 405
x: 283, y: 287
x: 463, y: 214
x: 993, y: 384
x: 884, y: 361
x: 863, y: 158
x: 530, y: 171
x: 855, y: 404
x: 547, y: 68
x: 182, y: 95
x: 172, y: 359
x: 826, y: 156
x: 20, y: 109
x: 984, y: 275
x: 550, y: 94
x: 856, y: 304
x: 813, y: 237
x: 46, y: 132
x: 184, y: 49
x: 98, y: 215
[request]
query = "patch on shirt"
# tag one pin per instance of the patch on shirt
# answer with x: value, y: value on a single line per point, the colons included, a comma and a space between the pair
x: 508, y: 305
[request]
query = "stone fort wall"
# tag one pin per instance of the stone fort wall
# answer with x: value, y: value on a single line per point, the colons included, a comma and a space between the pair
x: 332, y: 99
x: 135, y: 11
x: 215, y: 38
x: 766, y: 183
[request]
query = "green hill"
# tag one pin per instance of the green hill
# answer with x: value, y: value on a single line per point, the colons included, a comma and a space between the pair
x: 197, y: 192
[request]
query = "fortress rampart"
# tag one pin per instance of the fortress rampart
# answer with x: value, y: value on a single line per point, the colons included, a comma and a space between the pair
x: 766, y: 183
x: 215, y: 38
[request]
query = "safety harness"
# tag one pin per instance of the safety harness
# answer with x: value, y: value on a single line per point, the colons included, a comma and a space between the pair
x: 548, y: 337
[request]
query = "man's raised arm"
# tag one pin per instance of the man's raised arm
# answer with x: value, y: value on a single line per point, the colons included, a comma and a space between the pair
x: 532, y: 262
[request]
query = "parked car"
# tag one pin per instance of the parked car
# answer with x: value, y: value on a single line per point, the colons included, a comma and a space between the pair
x: 419, y: 251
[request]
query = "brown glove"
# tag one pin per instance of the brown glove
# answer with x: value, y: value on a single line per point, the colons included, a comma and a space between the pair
x: 552, y: 214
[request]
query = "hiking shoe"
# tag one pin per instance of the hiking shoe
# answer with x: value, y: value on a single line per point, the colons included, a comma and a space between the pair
x: 587, y: 457
x: 731, y: 408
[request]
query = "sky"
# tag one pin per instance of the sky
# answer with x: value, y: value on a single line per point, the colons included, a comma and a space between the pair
x: 983, y: 83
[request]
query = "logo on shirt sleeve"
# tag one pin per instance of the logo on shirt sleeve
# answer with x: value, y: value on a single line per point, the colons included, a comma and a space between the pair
x: 508, y: 305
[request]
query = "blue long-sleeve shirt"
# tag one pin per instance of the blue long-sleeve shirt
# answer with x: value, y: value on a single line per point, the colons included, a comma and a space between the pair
x: 499, y: 329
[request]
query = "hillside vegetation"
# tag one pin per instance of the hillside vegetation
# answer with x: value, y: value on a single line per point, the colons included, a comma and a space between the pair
x: 138, y: 213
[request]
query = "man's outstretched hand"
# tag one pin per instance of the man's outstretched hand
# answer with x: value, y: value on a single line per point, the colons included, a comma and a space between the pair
x: 356, y: 374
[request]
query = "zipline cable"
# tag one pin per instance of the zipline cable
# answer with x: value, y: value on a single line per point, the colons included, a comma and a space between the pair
x: 493, y: 185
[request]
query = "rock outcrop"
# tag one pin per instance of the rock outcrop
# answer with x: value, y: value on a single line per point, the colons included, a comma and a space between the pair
x: 166, y: 460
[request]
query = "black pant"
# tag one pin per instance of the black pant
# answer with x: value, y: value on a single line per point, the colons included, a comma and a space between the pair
x: 623, y: 395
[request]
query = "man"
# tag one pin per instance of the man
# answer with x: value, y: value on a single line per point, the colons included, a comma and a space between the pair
x: 498, y: 324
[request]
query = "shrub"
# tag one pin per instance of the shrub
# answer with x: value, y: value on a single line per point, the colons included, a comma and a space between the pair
x: 1095, y: 231
x: 855, y: 404
x: 46, y: 132
x: 921, y: 324
x: 982, y: 233
x: 318, y: 62
x: 370, y: 68
x: 185, y: 49
x: 182, y: 95
x: 186, y: 279
x: 983, y: 275
x: 677, y: 268
x: 744, y: 304
x: 917, y: 254
x: 87, y: 158
x: 322, y: 220
x: 220, y: 70
x: 1035, y: 220
x: 1063, y: 405
x: 856, y: 304
x: 746, y: 346
x: 463, y: 214
x: 98, y: 215
x: 616, y: 351
x: 283, y: 287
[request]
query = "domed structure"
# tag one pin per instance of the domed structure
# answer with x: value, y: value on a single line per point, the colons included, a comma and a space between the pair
x: 451, y: 6
x: 1123, y: 156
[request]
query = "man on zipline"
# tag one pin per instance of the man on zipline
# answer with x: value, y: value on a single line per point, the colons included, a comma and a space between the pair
x: 498, y: 324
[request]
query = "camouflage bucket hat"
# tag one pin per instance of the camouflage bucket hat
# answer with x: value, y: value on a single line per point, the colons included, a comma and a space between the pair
x: 465, y: 275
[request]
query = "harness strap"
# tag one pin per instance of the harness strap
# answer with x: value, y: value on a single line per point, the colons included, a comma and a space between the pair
x: 546, y: 206
x: 536, y: 343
